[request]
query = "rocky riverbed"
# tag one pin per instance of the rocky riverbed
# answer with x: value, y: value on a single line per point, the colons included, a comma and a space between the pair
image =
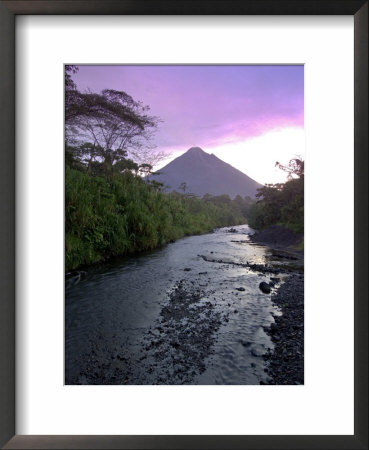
x: 285, y: 364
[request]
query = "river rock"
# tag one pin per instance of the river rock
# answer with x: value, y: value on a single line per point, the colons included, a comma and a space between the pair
x: 264, y: 287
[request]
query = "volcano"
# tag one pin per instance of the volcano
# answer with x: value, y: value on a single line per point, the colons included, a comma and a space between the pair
x: 205, y: 174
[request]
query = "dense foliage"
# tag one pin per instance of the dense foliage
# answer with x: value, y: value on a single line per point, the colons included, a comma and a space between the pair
x: 127, y: 215
x: 281, y: 203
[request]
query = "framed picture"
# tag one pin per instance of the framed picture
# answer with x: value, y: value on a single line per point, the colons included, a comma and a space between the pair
x: 166, y: 46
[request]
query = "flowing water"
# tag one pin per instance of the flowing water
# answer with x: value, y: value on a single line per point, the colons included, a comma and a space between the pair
x: 190, y: 313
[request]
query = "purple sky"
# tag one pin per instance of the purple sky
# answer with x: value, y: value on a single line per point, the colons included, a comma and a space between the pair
x: 208, y: 106
x: 248, y: 116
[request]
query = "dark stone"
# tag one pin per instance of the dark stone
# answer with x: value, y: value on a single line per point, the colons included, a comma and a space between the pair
x: 286, y: 362
x: 187, y: 269
x: 265, y: 288
x: 240, y: 289
x: 73, y: 274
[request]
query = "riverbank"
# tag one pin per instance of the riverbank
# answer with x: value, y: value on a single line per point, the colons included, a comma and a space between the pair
x: 278, y: 237
x: 285, y: 364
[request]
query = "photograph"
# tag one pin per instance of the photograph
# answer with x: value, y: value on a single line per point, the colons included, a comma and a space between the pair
x: 184, y: 224
x: 161, y: 244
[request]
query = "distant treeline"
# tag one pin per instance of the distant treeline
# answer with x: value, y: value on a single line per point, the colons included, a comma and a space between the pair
x: 126, y: 215
x: 282, y: 203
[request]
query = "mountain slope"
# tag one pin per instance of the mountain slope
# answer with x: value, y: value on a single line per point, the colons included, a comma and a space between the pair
x: 205, y: 174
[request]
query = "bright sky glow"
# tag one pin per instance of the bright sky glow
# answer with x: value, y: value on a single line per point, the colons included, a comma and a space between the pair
x: 248, y: 116
x: 257, y: 156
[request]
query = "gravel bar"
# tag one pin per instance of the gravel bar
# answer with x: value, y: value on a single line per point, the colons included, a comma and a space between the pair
x: 285, y: 364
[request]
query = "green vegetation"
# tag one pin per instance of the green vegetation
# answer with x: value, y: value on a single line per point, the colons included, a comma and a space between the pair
x: 128, y: 215
x: 282, y: 203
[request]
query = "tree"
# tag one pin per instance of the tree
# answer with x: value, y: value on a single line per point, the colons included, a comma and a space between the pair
x: 82, y: 155
x: 107, y: 127
x: 70, y: 85
x: 295, y: 168
x: 125, y: 165
x: 114, y: 125
x: 148, y: 156
x: 75, y: 103
x: 145, y: 169
x: 281, y: 203
x: 156, y: 185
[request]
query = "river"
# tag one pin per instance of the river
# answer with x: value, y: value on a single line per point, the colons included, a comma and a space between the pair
x: 189, y: 313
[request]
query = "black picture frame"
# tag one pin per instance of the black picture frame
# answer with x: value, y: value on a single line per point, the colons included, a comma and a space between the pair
x: 8, y: 12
